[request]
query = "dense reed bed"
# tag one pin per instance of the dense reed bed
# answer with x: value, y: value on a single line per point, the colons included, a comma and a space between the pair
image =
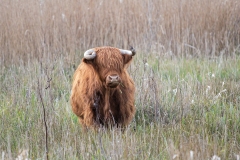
x: 49, y: 28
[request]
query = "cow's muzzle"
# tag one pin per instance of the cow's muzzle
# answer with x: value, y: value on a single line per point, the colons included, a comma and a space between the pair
x: 113, y: 81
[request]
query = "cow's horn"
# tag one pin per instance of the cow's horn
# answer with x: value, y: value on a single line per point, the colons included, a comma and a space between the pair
x: 90, y: 54
x: 128, y: 52
x: 133, y: 50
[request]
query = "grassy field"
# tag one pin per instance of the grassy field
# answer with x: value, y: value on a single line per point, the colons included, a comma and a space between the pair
x: 186, y: 72
x: 182, y: 105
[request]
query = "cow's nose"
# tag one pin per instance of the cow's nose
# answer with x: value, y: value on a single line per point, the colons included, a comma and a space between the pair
x: 113, y: 81
x: 113, y: 78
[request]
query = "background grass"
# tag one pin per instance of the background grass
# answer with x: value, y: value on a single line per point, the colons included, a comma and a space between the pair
x: 186, y: 72
x: 49, y: 28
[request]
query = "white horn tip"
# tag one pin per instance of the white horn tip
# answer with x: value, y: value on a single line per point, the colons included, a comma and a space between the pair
x: 90, y: 54
x: 126, y: 52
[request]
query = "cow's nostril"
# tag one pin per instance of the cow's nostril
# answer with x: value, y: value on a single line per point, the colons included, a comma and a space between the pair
x: 114, y: 78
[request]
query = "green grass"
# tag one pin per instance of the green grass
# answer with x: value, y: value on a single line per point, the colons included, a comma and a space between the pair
x: 182, y: 105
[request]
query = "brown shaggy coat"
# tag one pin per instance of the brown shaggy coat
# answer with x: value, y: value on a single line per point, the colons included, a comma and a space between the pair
x: 93, y: 101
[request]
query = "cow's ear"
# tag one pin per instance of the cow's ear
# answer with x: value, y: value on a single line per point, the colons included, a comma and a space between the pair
x: 87, y: 61
x: 127, y: 59
x: 89, y: 56
x: 128, y: 55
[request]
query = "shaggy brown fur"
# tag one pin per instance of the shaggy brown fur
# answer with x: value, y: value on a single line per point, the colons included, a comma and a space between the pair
x: 92, y: 101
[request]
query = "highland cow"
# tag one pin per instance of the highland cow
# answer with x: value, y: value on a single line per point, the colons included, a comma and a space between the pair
x: 102, y: 90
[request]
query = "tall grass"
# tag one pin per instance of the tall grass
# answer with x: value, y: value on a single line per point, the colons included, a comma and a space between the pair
x: 183, y: 105
x: 47, y: 28
x: 186, y: 72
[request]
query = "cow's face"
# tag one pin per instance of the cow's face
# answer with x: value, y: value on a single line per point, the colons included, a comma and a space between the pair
x: 109, y: 63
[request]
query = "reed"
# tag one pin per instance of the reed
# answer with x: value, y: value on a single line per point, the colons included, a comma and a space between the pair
x: 49, y: 28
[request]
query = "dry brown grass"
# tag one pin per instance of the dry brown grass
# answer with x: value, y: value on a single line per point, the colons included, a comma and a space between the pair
x: 185, y: 106
x: 48, y: 28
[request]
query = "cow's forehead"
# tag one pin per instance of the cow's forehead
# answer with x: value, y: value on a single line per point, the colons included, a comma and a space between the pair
x: 107, y: 50
x: 109, y: 57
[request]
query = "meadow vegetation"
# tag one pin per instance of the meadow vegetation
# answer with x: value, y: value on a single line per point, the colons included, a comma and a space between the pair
x: 186, y: 72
